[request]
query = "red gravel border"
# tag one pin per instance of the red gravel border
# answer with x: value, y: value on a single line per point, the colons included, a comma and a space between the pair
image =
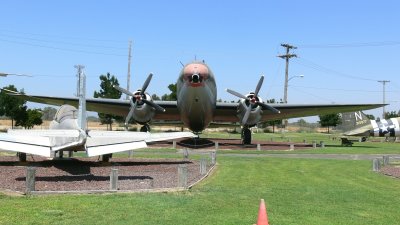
x: 87, y: 174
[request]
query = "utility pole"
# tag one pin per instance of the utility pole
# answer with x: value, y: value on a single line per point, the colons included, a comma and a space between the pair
x: 78, y: 75
x: 129, y: 69
x: 287, y: 56
x: 384, y: 98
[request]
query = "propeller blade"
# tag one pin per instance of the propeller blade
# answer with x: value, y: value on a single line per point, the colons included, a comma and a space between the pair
x: 128, y: 117
x: 246, y: 115
x: 260, y: 82
x: 154, y: 105
x: 269, y: 107
x: 237, y: 94
x: 122, y: 90
x: 146, y: 84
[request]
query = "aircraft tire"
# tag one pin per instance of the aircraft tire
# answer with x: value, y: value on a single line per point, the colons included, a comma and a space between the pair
x: 246, y: 136
x: 106, y: 157
x: 145, y: 128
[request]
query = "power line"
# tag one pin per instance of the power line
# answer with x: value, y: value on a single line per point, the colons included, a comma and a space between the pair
x: 352, y: 45
x: 62, y: 49
x: 62, y: 42
x: 63, y: 37
x: 326, y: 70
x: 338, y: 89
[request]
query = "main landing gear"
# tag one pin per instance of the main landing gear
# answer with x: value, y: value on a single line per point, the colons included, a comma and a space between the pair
x: 106, y: 157
x: 145, y: 128
x: 246, y: 136
x: 21, y: 156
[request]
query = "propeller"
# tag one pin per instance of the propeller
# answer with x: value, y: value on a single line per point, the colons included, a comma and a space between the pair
x: 253, y: 100
x: 138, y: 98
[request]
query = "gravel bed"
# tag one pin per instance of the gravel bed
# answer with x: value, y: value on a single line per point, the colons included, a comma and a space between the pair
x: 393, y: 171
x: 90, y: 174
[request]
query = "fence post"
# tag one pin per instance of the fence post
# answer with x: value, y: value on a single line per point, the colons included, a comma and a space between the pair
x: 216, y: 146
x: 130, y: 154
x: 203, y: 166
x: 258, y: 147
x: 291, y: 147
x: 314, y: 144
x: 322, y: 144
x: 213, y: 158
x: 385, y: 160
x: 185, y: 153
x: 30, y: 179
x: 174, y: 144
x: 182, y: 175
x: 114, y: 179
x: 376, y: 165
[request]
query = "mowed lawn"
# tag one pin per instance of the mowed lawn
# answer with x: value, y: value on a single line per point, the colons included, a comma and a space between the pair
x: 296, y: 191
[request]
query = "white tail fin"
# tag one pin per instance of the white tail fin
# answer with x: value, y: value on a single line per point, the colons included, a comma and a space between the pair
x: 82, y: 101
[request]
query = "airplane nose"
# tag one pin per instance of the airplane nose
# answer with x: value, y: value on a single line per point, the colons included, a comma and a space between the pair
x: 195, y: 78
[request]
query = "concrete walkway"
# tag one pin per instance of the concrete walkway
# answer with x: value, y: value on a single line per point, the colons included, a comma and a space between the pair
x: 317, y: 156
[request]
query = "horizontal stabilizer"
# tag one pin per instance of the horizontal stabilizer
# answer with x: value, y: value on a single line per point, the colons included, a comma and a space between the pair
x: 99, y: 146
x: 141, y: 136
x: 45, y: 133
x: 361, y: 131
x: 26, y: 144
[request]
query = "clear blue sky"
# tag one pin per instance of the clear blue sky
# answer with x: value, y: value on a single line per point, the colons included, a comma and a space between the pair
x: 344, y: 47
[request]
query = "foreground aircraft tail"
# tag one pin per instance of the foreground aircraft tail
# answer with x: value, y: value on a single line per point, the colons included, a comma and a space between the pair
x: 68, y: 132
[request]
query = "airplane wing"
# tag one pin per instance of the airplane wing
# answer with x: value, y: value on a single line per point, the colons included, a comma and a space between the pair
x: 110, y: 106
x: 226, y: 112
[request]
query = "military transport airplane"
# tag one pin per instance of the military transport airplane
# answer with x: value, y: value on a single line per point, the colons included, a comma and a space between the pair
x: 196, y: 106
x: 358, y: 124
x: 67, y: 132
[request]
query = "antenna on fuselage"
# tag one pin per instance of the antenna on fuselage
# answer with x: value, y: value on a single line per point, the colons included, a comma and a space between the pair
x: 183, y: 65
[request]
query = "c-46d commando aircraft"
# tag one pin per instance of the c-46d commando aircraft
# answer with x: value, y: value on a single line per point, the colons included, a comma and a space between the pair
x: 197, y: 105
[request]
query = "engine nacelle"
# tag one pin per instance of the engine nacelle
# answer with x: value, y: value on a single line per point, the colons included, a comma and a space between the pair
x: 143, y: 113
x: 256, y: 111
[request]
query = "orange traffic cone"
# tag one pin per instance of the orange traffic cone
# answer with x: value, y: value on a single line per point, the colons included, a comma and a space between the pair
x: 262, y: 214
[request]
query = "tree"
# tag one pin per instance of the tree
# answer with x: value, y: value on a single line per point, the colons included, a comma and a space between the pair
x: 272, y: 123
x: 329, y: 120
x: 28, y: 118
x: 11, y: 106
x: 391, y: 114
x: 155, y: 97
x: 107, y: 91
x: 172, y: 96
x: 370, y: 116
x: 48, y: 113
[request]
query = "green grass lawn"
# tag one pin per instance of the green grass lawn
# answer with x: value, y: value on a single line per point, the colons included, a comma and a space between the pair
x: 296, y: 191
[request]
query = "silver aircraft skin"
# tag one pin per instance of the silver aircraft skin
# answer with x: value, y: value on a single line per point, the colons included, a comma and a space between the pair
x: 196, y: 106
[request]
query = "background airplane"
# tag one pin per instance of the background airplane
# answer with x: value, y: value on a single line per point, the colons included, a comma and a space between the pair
x: 67, y: 132
x: 197, y: 105
x: 358, y: 124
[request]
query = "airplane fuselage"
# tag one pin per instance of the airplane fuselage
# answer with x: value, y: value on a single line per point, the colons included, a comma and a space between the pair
x: 197, y: 96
